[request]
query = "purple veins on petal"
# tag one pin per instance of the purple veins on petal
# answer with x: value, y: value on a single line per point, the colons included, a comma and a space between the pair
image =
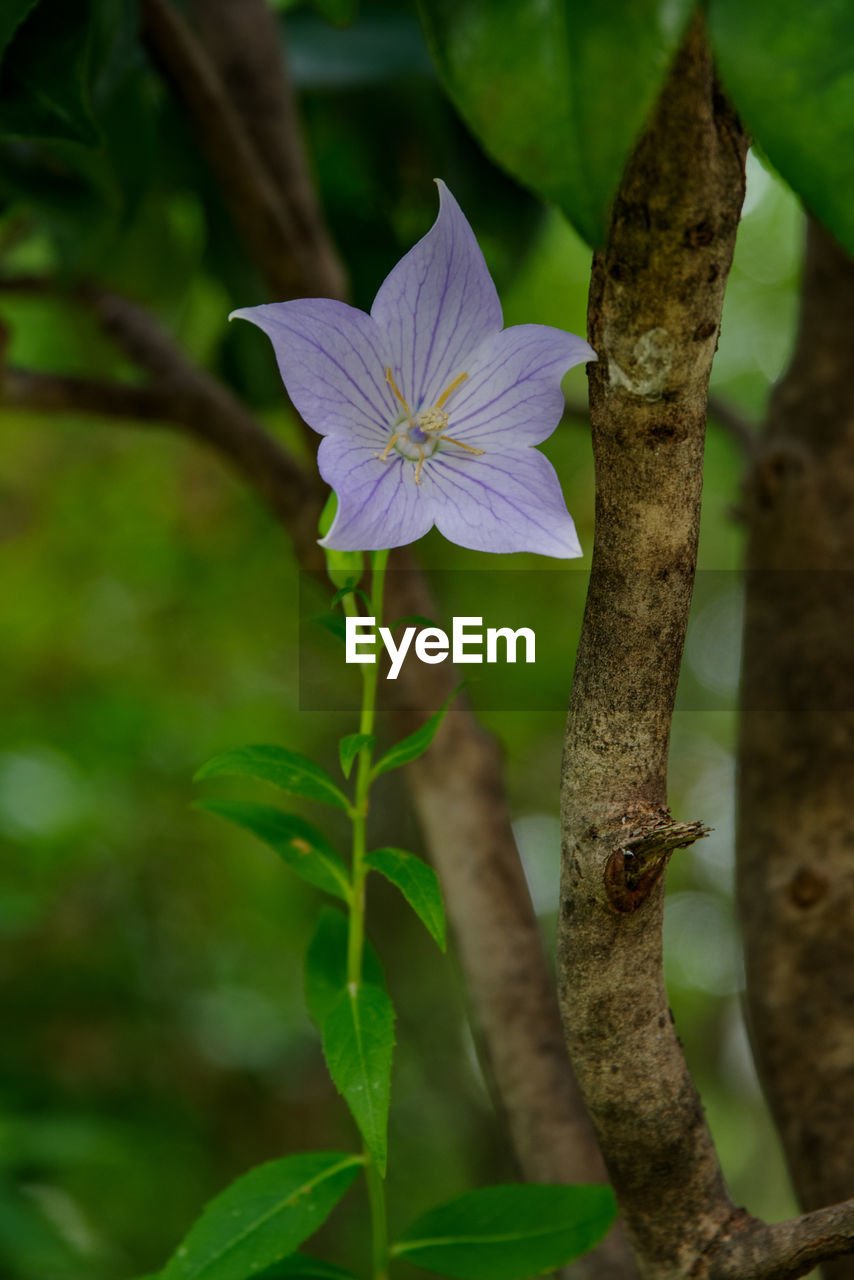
x: 429, y: 411
x: 332, y: 362
x: 437, y: 305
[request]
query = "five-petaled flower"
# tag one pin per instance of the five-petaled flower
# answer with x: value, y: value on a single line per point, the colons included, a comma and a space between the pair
x: 428, y: 409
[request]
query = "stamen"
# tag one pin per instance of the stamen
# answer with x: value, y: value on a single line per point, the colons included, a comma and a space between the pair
x: 391, y: 382
x: 419, y: 465
x: 443, y: 397
x: 468, y: 448
x: 398, y: 435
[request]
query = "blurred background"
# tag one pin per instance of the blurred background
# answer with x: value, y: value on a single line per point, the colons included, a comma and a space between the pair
x: 155, y: 1036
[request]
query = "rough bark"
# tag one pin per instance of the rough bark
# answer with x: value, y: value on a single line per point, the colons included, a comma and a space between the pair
x: 654, y: 315
x: 796, y: 822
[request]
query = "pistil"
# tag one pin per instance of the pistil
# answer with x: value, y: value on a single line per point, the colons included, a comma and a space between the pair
x: 426, y: 427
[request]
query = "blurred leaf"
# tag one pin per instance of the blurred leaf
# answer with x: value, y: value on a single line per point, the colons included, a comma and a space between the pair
x: 350, y: 746
x: 44, y: 89
x: 509, y: 1232
x: 338, y: 12
x: 325, y: 965
x: 288, y: 770
x: 415, y: 745
x: 790, y: 71
x: 557, y: 90
x: 358, y: 1042
x: 12, y: 15
x: 296, y: 841
x: 301, y: 1267
x: 418, y: 883
x: 263, y: 1216
x: 335, y: 623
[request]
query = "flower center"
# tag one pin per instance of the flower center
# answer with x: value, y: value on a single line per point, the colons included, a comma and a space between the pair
x: 418, y: 436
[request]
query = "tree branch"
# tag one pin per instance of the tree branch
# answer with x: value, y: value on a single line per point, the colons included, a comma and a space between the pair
x: 290, y: 248
x: 786, y: 1250
x: 655, y: 308
x: 796, y: 826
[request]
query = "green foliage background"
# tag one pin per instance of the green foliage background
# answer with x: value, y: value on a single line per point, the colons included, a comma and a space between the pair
x: 156, y: 1039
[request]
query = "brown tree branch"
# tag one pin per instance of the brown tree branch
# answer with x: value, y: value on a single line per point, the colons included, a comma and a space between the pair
x: 288, y: 244
x: 785, y: 1250
x: 655, y: 308
x: 796, y: 824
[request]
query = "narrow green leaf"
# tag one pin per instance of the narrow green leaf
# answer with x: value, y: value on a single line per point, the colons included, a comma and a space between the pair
x: 790, y: 72
x: 299, y: 1266
x: 350, y: 746
x: 293, y: 773
x: 510, y: 1232
x: 12, y: 14
x: 557, y: 90
x: 45, y: 90
x: 415, y: 745
x: 418, y: 883
x: 351, y: 591
x: 296, y: 841
x: 358, y: 1042
x: 325, y: 965
x: 335, y: 623
x: 263, y: 1217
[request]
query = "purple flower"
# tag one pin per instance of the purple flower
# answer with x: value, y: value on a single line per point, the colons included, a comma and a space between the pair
x: 429, y: 411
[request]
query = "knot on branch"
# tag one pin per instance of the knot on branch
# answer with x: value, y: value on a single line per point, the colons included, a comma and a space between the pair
x: 633, y: 870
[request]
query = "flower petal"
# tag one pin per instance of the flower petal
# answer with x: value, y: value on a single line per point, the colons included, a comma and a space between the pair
x: 436, y: 306
x: 332, y: 363
x: 501, y: 502
x: 379, y: 503
x: 512, y: 395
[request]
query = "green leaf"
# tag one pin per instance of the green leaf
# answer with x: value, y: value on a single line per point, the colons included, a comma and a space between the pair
x: 296, y: 841
x: 12, y: 14
x: 415, y: 745
x: 325, y: 965
x: 418, y: 883
x: 44, y: 89
x: 790, y: 72
x: 350, y: 746
x: 263, y: 1216
x: 509, y: 1232
x: 299, y: 1266
x: 358, y: 1042
x: 335, y: 623
x: 293, y: 773
x: 557, y: 90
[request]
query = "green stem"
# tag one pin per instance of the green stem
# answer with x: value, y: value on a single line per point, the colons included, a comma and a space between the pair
x: 376, y: 1196
x: 370, y: 670
x: 356, y: 935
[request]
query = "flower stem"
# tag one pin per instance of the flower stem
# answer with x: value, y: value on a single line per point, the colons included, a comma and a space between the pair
x: 356, y: 935
x: 379, y: 1229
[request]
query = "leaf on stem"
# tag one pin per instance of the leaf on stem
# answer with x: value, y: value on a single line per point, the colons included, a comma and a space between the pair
x: 358, y: 1042
x: 287, y: 770
x: 419, y: 885
x: 350, y: 746
x: 510, y: 1232
x: 296, y: 841
x: 325, y: 965
x: 263, y: 1216
x: 415, y: 745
